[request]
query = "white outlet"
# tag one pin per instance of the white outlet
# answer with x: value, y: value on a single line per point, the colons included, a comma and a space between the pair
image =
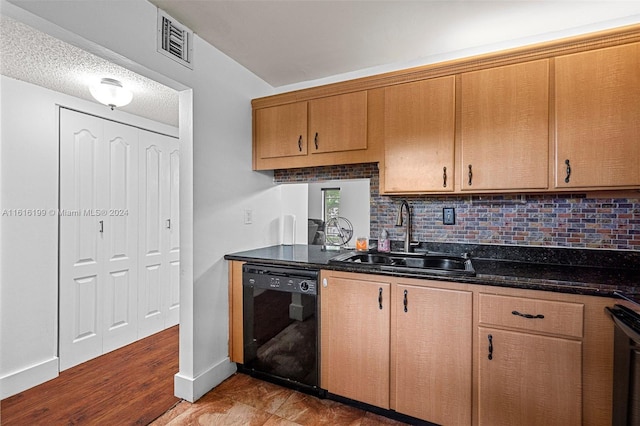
x: 248, y: 216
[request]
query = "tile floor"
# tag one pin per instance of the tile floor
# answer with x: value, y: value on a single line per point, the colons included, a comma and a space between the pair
x: 244, y: 400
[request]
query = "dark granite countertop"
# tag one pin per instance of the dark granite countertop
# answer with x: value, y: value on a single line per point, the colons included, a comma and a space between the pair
x: 590, y: 272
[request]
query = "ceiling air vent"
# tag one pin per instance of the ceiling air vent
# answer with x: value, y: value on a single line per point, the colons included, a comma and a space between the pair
x: 174, y: 39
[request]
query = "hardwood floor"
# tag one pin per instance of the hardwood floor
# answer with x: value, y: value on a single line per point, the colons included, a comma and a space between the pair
x: 134, y: 386
x: 130, y: 386
x: 244, y: 400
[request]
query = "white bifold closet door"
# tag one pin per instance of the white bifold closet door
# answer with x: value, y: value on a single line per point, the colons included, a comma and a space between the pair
x: 108, y: 287
x: 159, y: 248
x: 98, y: 245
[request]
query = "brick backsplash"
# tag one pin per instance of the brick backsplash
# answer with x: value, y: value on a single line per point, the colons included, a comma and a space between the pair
x: 558, y: 220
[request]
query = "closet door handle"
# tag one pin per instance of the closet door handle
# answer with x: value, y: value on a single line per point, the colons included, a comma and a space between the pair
x: 101, y: 226
x: 380, y: 298
x: 405, y: 302
x: 300, y: 143
x: 470, y: 175
x: 168, y: 223
x: 568, y: 178
x: 444, y: 177
x: 490, y: 347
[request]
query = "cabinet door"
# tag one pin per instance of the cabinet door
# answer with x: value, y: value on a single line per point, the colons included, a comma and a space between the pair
x: 433, y: 332
x: 528, y: 379
x: 338, y: 123
x: 505, y: 128
x: 419, y: 132
x: 355, y: 338
x: 281, y: 131
x: 598, y: 118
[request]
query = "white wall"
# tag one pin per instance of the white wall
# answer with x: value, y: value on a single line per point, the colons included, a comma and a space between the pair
x: 294, y: 202
x: 216, y: 180
x: 29, y: 243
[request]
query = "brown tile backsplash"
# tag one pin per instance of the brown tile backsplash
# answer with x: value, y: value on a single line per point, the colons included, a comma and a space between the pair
x: 558, y: 220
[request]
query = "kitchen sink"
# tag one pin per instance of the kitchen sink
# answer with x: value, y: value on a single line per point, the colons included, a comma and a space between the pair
x: 427, y: 263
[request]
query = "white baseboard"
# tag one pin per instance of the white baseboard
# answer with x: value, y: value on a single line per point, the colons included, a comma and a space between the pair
x: 29, y: 377
x: 191, y: 389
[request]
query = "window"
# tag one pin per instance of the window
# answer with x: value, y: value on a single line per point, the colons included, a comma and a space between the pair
x: 331, y: 210
x: 330, y: 203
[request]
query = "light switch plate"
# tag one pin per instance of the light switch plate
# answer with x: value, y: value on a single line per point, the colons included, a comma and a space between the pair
x: 248, y: 216
x: 449, y: 216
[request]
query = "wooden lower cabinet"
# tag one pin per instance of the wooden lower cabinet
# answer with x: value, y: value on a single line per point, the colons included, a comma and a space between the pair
x: 529, y: 359
x: 542, y: 358
x: 355, y: 314
x: 432, y: 361
x: 431, y: 353
x: 236, y: 327
x: 416, y: 361
x: 528, y: 379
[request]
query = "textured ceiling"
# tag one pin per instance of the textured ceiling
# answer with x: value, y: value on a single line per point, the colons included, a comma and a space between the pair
x: 32, y: 56
x: 293, y: 41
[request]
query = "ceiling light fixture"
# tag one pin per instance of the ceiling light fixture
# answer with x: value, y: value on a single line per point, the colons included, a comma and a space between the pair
x: 110, y: 92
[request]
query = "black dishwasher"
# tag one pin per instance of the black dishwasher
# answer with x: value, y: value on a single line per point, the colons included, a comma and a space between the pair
x: 280, y: 320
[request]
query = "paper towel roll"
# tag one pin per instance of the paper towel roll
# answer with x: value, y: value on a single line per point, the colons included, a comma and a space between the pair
x: 288, y: 229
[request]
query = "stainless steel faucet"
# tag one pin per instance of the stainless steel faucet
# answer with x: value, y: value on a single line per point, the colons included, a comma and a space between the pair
x: 407, y: 237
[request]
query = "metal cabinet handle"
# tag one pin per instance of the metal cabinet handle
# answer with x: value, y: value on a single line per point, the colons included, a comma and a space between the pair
x: 470, y: 175
x: 380, y: 297
x: 300, y: 143
x: 315, y: 140
x: 444, y: 177
x: 540, y: 316
x: 567, y: 179
x: 405, y: 302
x: 101, y: 226
x: 490, y: 347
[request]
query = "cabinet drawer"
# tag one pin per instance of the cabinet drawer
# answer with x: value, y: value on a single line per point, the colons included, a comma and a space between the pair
x: 537, y: 315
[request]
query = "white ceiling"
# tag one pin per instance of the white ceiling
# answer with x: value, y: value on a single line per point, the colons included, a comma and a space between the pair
x: 35, y: 57
x: 286, y: 42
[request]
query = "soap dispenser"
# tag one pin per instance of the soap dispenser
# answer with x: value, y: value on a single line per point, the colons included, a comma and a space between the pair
x: 384, y: 244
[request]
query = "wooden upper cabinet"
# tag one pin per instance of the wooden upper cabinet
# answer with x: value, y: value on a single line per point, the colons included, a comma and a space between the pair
x: 338, y: 123
x: 597, y: 118
x: 318, y: 132
x: 281, y: 131
x: 505, y: 128
x: 557, y: 116
x: 419, y: 136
